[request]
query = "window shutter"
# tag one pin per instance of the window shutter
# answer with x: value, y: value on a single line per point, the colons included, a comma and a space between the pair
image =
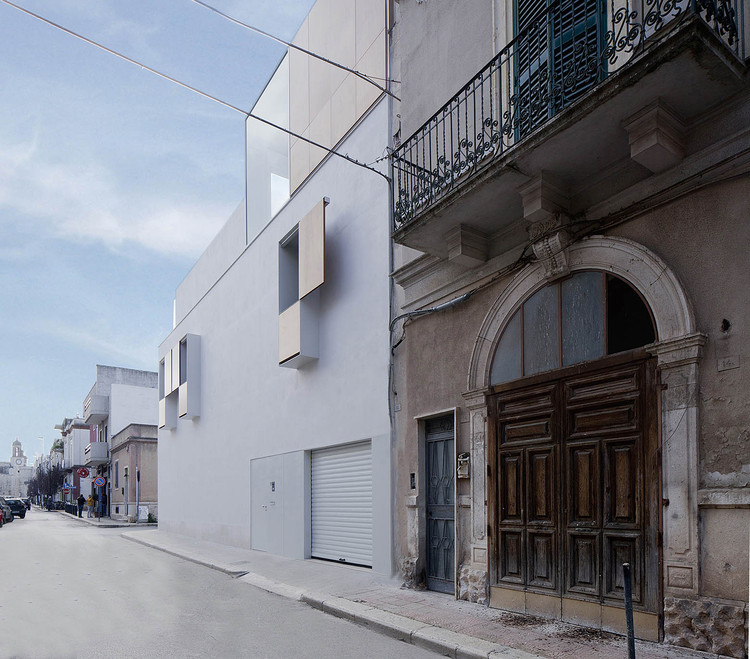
x: 312, y: 249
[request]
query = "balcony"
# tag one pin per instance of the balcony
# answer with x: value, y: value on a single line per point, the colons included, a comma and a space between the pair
x: 95, y: 409
x: 558, y: 100
x: 96, y: 453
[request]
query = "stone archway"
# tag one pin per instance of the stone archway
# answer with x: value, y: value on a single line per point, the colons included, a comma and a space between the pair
x: 677, y: 349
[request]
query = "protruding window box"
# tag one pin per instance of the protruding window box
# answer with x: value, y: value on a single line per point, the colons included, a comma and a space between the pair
x: 301, y: 273
x: 96, y: 453
x: 298, y: 333
x: 168, y: 412
x: 179, y: 382
x: 189, y: 391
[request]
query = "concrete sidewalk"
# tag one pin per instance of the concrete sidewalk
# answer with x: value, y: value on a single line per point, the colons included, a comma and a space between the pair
x: 104, y: 522
x: 431, y: 620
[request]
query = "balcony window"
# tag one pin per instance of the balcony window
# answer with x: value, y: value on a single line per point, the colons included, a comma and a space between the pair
x: 556, y: 56
x: 560, y: 51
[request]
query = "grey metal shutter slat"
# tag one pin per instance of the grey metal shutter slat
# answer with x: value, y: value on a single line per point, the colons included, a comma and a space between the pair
x: 341, y: 483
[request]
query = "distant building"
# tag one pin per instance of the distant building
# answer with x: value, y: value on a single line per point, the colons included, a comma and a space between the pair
x: 15, y: 474
x: 121, y: 398
x: 75, y: 437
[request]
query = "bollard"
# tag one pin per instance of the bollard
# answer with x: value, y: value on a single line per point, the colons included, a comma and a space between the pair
x: 628, y: 583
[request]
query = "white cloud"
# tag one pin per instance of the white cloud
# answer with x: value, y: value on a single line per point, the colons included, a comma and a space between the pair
x: 135, y: 352
x: 85, y: 201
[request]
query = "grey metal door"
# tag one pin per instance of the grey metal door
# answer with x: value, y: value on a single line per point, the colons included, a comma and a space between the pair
x: 440, y: 504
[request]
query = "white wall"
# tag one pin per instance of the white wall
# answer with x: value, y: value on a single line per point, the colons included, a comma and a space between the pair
x: 226, y: 246
x: 251, y: 407
x: 132, y: 404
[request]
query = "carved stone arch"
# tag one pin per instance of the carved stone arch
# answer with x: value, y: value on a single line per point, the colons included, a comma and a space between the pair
x: 678, y: 350
x: 646, y: 272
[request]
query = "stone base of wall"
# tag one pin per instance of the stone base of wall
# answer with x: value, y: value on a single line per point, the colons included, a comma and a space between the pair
x: 717, y: 626
x: 413, y: 578
x: 472, y: 584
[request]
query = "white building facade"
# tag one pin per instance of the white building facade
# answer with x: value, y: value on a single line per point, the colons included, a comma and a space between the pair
x: 274, y: 422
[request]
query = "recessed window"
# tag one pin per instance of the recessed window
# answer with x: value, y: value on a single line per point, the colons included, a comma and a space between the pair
x: 581, y: 318
x: 183, y: 361
x: 289, y: 270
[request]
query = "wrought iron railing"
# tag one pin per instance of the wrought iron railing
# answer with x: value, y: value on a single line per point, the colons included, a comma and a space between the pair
x: 558, y: 55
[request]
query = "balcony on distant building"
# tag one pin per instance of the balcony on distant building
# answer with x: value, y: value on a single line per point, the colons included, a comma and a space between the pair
x: 96, y: 453
x: 95, y: 408
x: 596, y: 94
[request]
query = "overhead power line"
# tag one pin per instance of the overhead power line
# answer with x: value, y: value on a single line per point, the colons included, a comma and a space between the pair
x: 293, y: 46
x: 250, y: 115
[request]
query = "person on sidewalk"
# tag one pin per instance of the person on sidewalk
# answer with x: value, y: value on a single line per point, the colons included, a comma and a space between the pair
x: 90, y: 506
x: 80, y: 501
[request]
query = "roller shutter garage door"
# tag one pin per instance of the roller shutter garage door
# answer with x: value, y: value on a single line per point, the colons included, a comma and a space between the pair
x: 341, y: 483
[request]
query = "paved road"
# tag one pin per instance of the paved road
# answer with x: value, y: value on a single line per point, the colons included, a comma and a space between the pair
x: 69, y: 590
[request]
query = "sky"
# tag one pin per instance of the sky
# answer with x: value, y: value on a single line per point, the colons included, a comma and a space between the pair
x: 112, y: 182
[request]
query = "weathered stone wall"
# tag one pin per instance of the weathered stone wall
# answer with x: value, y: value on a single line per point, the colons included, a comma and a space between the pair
x: 709, y: 625
x: 473, y: 585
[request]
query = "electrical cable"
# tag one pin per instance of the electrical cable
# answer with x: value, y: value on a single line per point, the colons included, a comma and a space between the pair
x: 250, y: 115
x: 288, y: 44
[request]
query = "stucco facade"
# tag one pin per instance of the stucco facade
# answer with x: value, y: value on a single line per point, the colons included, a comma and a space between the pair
x: 575, y: 195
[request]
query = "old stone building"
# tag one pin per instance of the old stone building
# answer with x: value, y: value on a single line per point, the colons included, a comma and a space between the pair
x: 571, y: 377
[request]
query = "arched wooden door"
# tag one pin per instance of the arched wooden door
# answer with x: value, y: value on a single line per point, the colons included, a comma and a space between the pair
x: 574, y: 467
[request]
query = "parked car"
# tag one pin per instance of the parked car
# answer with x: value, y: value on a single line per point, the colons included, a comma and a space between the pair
x: 17, y: 506
x: 7, y: 512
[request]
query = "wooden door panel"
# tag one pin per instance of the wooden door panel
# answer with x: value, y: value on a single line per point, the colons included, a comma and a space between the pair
x: 525, y: 430
x: 603, y: 421
x: 512, y: 557
x: 603, y: 386
x: 541, y: 482
x: 583, y: 485
x: 619, y: 549
x: 622, y: 484
x: 542, y: 559
x: 583, y: 563
x: 523, y: 402
x: 511, y: 487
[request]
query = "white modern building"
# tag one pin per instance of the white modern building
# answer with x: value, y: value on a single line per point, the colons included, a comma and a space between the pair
x: 119, y: 398
x: 274, y: 423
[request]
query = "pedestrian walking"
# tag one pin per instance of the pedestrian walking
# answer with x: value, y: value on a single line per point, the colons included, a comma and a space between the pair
x: 90, y: 506
x: 80, y: 501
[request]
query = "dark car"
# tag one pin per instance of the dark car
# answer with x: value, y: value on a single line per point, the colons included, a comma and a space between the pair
x: 7, y: 512
x: 17, y: 506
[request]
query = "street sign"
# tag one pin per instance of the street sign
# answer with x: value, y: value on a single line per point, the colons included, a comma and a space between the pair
x: 83, y: 472
x: 66, y: 490
x: 99, y: 481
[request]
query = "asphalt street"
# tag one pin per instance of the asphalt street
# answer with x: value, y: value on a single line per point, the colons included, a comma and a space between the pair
x: 71, y: 590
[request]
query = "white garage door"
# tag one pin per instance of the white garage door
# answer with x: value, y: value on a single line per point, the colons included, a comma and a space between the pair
x: 341, y: 483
